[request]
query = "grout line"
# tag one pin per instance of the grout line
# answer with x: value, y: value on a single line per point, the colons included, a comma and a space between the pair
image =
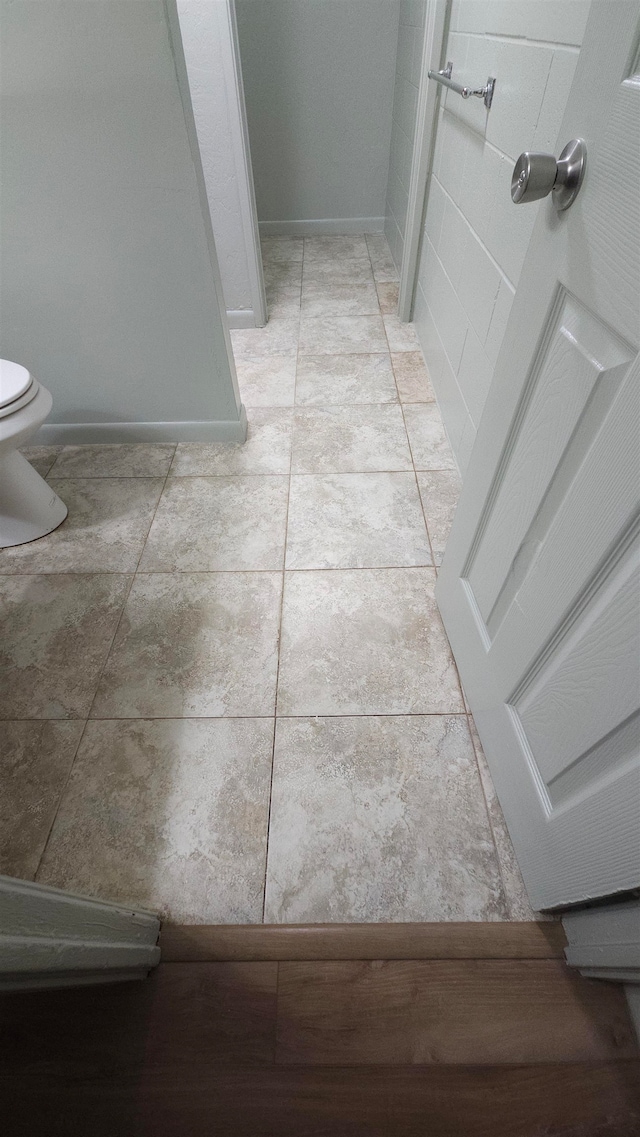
x: 160, y: 495
x: 63, y: 789
x: 489, y: 255
x: 435, y: 567
x: 106, y: 445
x: 279, y: 641
x: 242, y: 718
x: 126, y: 599
x: 132, y: 577
x: 227, y: 572
x: 426, y: 523
x: 520, y: 41
x: 104, y: 478
x: 415, y: 472
x: 269, y: 804
x: 108, y: 651
x: 544, y: 93
x: 413, y: 464
x: 319, y: 473
x: 505, y: 891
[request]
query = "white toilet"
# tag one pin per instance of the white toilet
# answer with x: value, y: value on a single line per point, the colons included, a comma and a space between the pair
x: 28, y: 506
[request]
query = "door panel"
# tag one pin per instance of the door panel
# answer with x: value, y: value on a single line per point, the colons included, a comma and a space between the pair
x: 558, y: 714
x: 573, y: 381
x: 539, y: 588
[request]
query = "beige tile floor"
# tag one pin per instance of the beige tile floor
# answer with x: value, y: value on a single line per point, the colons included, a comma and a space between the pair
x: 227, y: 694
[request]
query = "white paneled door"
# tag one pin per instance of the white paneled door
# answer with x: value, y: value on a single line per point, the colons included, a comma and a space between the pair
x: 540, y: 586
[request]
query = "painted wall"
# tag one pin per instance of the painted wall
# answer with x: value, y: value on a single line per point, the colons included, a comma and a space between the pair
x: 319, y: 78
x: 405, y: 107
x: 110, y: 287
x: 475, y: 238
x: 207, y: 48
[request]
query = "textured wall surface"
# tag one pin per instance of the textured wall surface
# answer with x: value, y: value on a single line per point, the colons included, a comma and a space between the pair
x: 204, y: 31
x: 405, y: 105
x: 318, y: 78
x: 110, y: 291
x: 475, y: 238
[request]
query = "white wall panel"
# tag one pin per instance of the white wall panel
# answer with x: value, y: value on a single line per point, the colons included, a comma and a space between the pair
x: 319, y: 85
x: 110, y: 284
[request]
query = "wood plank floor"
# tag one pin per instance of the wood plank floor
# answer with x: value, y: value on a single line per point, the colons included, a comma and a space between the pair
x: 429, y: 1047
x: 493, y: 940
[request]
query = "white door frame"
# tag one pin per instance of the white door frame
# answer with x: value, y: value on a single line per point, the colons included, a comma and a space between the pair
x: 219, y: 33
x: 242, y: 155
x: 435, y: 34
x: 52, y: 938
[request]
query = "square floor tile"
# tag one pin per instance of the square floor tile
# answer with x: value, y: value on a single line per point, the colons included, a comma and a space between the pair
x: 401, y: 337
x: 35, y: 760
x: 439, y: 490
x: 56, y: 632
x: 278, y: 249
x: 429, y: 443
x: 206, y: 524
x: 379, y: 819
x: 104, y: 531
x: 412, y: 377
x: 364, y: 641
x: 351, y: 270
x: 278, y: 337
x: 355, y: 521
x: 269, y: 382
x: 328, y: 380
x: 267, y: 449
x: 168, y: 815
x: 41, y: 457
x: 334, y: 335
x: 388, y: 297
x: 129, y: 460
x: 384, y: 269
x: 194, y: 645
x: 330, y: 248
x: 335, y: 298
x: 349, y: 439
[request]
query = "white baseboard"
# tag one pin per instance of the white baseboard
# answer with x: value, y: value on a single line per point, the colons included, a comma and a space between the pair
x: 81, y: 433
x: 324, y: 226
x: 241, y: 318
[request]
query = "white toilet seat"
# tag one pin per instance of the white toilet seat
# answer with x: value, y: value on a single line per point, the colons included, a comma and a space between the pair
x: 22, y: 401
x: 14, y: 380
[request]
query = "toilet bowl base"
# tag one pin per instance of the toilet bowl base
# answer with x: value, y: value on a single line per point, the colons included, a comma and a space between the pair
x: 29, y: 508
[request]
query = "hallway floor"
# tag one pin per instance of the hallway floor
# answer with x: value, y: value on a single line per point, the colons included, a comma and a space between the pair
x: 459, y: 1030
x: 227, y: 690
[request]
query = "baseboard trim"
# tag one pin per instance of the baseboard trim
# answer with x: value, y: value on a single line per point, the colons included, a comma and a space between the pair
x: 241, y: 318
x: 252, y: 942
x: 323, y: 226
x: 81, y: 433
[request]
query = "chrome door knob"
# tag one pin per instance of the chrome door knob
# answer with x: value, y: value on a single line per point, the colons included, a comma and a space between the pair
x: 536, y: 175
